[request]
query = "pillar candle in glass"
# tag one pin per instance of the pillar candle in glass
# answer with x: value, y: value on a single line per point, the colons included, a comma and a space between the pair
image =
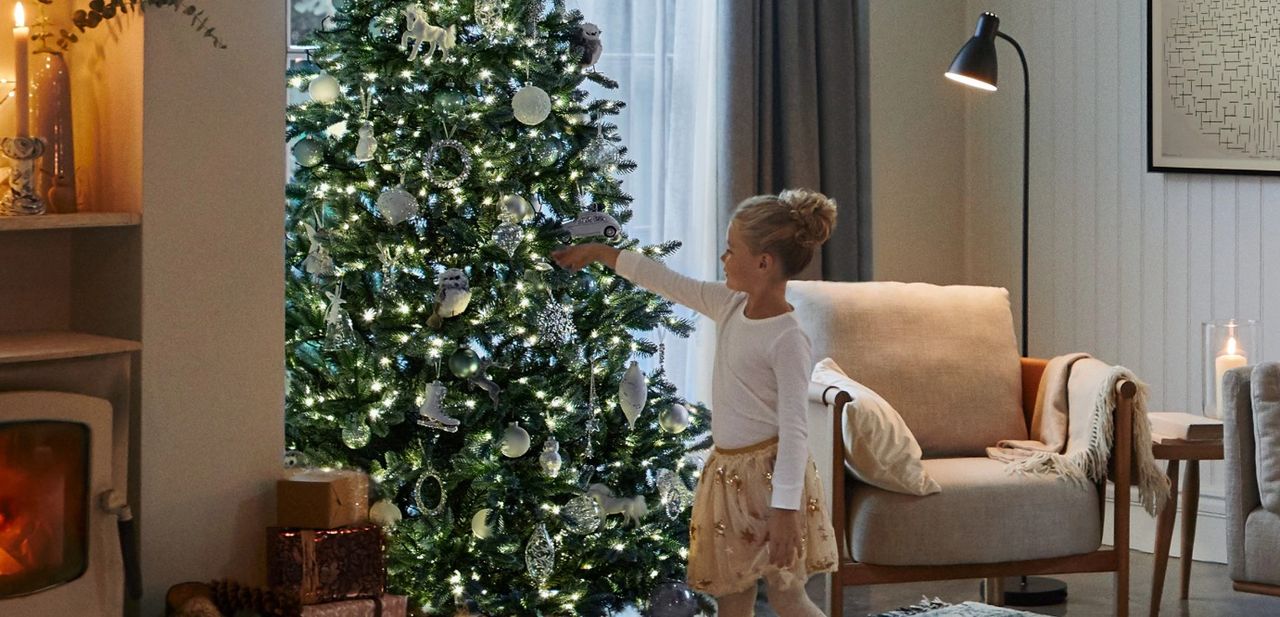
x: 21, y: 38
x: 1227, y: 344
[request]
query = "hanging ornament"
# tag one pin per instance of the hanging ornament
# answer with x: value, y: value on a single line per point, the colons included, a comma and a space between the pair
x: 421, y: 500
x: 480, y: 377
x: 397, y: 205
x: 600, y: 152
x: 390, y: 265
x: 531, y: 104
x: 674, y: 419
x: 632, y: 509
x: 417, y: 32
x: 449, y: 101
x: 673, y: 493
x: 356, y: 434
x: 431, y: 412
x: 464, y: 362
x: 337, y: 130
x: 515, y: 441
x: 586, y: 45
x: 540, y: 554
x: 590, y: 224
x: 324, y: 89
x: 553, y: 323
x: 633, y: 392
x: 385, y: 513
x: 481, y: 527
x: 550, y: 459
x: 434, y: 171
x: 337, y: 323
x: 318, y: 262
x: 517, y: 207
x: 592, y: 425
x: 294, y: 459
x: 308, y: 152
x: 673, y: 599
x: 367, y: 143
x: 488, y: 14
x: 582, y: 515
x: 453, y: 294
x: 532, y: 14
x: 549, y: 154
x: 507, y: 236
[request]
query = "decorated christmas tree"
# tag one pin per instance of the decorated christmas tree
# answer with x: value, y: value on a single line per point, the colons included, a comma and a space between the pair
x: 523, y: 461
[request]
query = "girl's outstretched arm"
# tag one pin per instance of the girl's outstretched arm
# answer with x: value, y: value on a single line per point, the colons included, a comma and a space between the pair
x: 711, y: 298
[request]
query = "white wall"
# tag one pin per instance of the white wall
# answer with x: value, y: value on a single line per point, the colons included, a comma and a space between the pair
x: 917, y: 141
x: 1126, y: 263
x: 213, y: 293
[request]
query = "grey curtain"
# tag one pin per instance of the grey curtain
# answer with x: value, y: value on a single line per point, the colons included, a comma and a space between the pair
x: 794, y: 99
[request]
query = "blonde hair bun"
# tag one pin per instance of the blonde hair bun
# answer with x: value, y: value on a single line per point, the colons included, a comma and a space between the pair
x: 814, y: 213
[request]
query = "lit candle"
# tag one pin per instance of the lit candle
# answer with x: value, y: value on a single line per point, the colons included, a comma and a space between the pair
x: 21, y: 36
x: 1226, y: 361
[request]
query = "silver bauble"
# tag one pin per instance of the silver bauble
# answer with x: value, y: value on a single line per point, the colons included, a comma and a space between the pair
x: 397, y: 205
x: 324, y: 89
x: 582, y: 515
x: 540, y: 554
x: 464, y: 362
x: 515, y: 441
x: 674, y: 419
x: 507, y: 236
x: 531, y: 105
x: 673, y: 599
x: 517, y: 207
x: 633, y: 392
x: 355, y: 435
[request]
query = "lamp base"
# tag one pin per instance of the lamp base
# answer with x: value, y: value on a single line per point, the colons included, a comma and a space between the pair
x: 1031, y: 591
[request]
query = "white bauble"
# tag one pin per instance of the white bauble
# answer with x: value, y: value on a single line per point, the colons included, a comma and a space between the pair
x: 324, y: 89
x: 674, y: 419
x: 531, y: 105
x: 515, y: 441
x: 517, y: 207
x: 633, y: 392
x: 480, y: 527
x: 384, y: 513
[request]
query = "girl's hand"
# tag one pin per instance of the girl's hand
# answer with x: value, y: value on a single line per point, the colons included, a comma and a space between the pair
x: 783, y: 536
x: 577, y: 257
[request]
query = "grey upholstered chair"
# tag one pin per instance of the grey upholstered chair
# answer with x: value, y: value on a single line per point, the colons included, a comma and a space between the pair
x: 1251, y: 444
x: 946, y: 358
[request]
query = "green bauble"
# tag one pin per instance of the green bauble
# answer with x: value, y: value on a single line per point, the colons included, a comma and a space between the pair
x: 450, y: 101
x: 464, y: 362
x: 308, y: 152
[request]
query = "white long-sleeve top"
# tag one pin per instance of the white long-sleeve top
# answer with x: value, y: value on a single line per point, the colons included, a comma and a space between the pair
x: 761, y: 374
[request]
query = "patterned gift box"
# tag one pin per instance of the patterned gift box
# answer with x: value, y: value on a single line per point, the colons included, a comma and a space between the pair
x: 324, y: 565
x: 392, y: 606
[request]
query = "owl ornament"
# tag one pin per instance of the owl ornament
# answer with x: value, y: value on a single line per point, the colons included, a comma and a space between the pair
x: 453, y: 294
x: 586, y: 44
x: 633, y: 393
x: 431, y: 412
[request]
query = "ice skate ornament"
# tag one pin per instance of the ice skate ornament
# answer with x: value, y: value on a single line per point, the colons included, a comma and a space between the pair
x: 632, y: 509
x: 452, y: 296
x: 318, y: 262
x: 417, y: 29
x: 481, y: 378
x: 431, y: 413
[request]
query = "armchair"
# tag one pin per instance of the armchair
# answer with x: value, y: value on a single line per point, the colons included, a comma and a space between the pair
x: 946, y: 358
x: 1251, y: 447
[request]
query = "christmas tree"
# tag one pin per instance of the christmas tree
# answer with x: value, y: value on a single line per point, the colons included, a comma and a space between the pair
x: 445, y: 150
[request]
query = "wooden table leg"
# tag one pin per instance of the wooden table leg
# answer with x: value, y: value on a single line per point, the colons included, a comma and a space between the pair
x: 1190, y: 507
x: 1164, y: 535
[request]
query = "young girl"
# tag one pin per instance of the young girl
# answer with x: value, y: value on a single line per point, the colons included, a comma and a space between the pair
x: 758, y: 511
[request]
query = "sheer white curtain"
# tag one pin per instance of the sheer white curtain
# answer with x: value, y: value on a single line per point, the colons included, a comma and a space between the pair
x: 664, y: 55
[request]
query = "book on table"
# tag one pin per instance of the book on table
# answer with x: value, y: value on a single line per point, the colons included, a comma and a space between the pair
x: 1185, y: 426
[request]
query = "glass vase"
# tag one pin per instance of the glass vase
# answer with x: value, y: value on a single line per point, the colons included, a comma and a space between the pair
x: 1227, y: 344
x: 51, y: 120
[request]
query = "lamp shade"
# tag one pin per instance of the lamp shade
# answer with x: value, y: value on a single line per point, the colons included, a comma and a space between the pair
x: 975, y: 63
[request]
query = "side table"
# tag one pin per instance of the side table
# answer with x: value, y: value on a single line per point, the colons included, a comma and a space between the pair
x: 1176, y: 451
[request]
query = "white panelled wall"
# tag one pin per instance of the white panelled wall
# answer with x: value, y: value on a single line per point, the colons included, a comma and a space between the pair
x: 1125, y: 264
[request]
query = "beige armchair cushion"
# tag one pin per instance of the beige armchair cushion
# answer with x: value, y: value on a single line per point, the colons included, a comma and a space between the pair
x: 1265, y: 392
x: 945, y: 356
x: 983, y: 515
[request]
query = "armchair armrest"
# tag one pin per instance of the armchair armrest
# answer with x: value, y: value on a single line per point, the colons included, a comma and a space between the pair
x: 826, y: 445
x: 1239, y: 449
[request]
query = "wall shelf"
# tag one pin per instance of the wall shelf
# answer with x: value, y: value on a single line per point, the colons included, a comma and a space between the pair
x: 69, y: 221
x: 17, y: 347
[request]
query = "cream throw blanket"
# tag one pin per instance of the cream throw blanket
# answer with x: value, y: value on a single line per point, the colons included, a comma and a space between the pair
x: 1073, y: 428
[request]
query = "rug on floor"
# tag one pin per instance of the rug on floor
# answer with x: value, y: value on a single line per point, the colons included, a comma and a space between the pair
x: 937, y: 608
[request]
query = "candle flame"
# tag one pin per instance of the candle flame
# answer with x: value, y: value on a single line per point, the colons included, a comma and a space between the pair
x: 19, y: 16
x: 1231, y: 345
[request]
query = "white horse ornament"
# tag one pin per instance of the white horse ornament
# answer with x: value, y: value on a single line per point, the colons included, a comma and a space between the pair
x: 632, y: 509
x: 419, y: 31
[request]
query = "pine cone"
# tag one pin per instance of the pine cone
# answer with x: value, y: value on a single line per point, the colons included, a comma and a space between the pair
x: 231, y: 596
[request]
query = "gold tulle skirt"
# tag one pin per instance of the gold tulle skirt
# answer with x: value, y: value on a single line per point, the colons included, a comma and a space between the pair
x: 728, y: 551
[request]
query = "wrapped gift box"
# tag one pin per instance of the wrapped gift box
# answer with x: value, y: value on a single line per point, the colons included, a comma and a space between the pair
x: 322, y: 499
x: 392, y: 606
x: 319, y: 565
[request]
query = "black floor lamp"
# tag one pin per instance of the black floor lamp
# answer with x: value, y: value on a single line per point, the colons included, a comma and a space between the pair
x: 975, y: 65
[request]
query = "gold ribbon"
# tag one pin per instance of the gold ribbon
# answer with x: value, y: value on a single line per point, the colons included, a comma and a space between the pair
x: 310, y: 569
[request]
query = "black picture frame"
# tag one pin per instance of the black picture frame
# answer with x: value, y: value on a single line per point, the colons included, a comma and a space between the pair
x: 1206, y: 98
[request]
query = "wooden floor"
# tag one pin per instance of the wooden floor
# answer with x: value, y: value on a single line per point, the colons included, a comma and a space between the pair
x: 1089, y: 595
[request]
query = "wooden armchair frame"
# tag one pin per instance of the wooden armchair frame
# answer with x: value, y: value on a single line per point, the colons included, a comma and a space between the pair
x: 1114, y: 559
